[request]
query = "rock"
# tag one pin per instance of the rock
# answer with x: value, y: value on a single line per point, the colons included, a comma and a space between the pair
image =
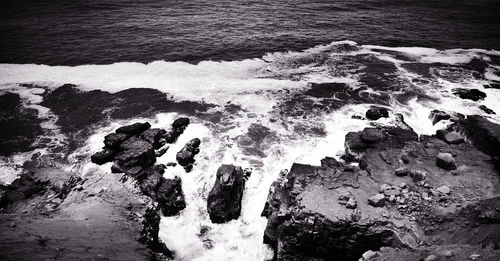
x: 369, y: 255
x: 401, y: 172
x: 186, y: 155
x: 150, y: 231
x: 224, y: 200
x: 161, y: 152
x: 4, y: 200
x: 113, y: 140
x: 495, y: 85
x: 444, y: 190
x: 170, y: 197
x: 453, y: 138
x: 376, y: 113
x: 483, y: 134
x: 470, y: 94
x: 474, y: 256
x: 418, y: 175
x: 431, y: 258
x: 153, y: 136
x: 377, y: 200
x: 436, y: 115
x: 385, y: 187
x: 372, y: 135
x: 171, y: 164
x: 351, y: 203
x: 134, y: 129
x: 486, y: 109
x: 103, y: 156
x: 135, y: 152
x: 446, y: 161
x: 178, y: 127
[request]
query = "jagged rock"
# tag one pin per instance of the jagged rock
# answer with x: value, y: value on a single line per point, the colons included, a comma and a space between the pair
x: 103, y: 156
x: 369, y: 255
x: 436, y: 115
x: 224, y: 200
x: 135, y: 152
x: 446, y: 161
x: 351, y: 203
x: 485, y: 135
x: 113, y: 140
x: 185, y: 156
x: 170, y: 197
x: 134, y: 129
x: 153, y: 136
x: 178, y: 127
x: 150, y: 230
x: 376, y: 113
x: 486, y: 109
x: 377, y: 200
x: 470, y: 94
x: 453, y: 138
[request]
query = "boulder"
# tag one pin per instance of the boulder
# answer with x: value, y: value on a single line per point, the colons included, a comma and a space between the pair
x: 135, y: 152
x: 178, y: 127
x: 486, y: 109
x: 376, y: 113
x: 484, y: 134
x: 103, y: 156
x: 401, y: 172
x: 134, y: 129
x: 153, y: 136
x: 224, y: 200
x: 377, y: 200
x: 470, y: 94
x: 418, y: 175
x: 453, y: 138
x: 446, y: 161
x: 372, y: 135
x: 444, y: 190
x: 170, y: 197
x: 436, y: 115
x: 113, y: 140
x: 185, y: 156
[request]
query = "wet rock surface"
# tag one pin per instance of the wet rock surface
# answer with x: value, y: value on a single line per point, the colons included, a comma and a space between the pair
x: 185, y: 157
x: 406, y: 204
x: 470, y: 94
x: 224, y: 200
x: 376, y: 113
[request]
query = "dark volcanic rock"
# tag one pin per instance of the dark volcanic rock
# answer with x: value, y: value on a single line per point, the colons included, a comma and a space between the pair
x: 103, y: 156
x: 113, y: 140
x: 178, y: 127
x: 494, y: 85
x: 376, y: 113
x: 185, y: 157
x: 373, y: 135
x: 470, y: 94
x: 486, y: 109
x: 170, y: 197
x: 154, y: 137
x: 150, y: 230
x: 135, y: 152
x: 436, y: 115
x: 134, y: 129
x: 19, y: 126
x: 224, y: 200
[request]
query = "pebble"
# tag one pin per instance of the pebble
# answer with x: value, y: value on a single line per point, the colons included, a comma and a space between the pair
x: 377, y: 200
x: 444, y: 189
x: 474, y: 256
x: 431, y: 258
x: 369, y: 255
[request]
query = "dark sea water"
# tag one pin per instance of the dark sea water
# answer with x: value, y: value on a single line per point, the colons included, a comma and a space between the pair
x: 73, y: 32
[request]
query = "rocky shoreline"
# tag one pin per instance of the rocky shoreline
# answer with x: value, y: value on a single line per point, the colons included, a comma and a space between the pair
x: 404, y: 198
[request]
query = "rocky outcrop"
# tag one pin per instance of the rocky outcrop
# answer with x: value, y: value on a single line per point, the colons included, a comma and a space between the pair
x: 224, y: 200
x: 404, y: 200
x: 185, y: 157
x: 486, y: 109
x: 178, y: 127
x: 436, y: 116
x: 135, y: 152
x: 470, y: 94
x: 376, y: 113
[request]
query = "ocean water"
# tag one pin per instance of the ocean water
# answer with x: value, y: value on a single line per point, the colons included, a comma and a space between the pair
x: 284, y: 78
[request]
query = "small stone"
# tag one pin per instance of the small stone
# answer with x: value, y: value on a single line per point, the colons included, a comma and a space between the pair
x: 431, y: 258
x: 377, y: 200
x: 453, y: 138
x: 405, y: 159
x: 401, y: 172
x: 444, y: 190
x: 446, y: 161
x: 402, y: 185
x: 351, y: 204
x: 474, y: 256
x: 392, y: 192
x: 384, y: 187
x: 369, y: 255
x: 448, y: 253
x: 392, y: 198
x: 344, y: 196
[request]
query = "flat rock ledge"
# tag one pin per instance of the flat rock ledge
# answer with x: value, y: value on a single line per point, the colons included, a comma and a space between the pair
x: 390, y: 200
